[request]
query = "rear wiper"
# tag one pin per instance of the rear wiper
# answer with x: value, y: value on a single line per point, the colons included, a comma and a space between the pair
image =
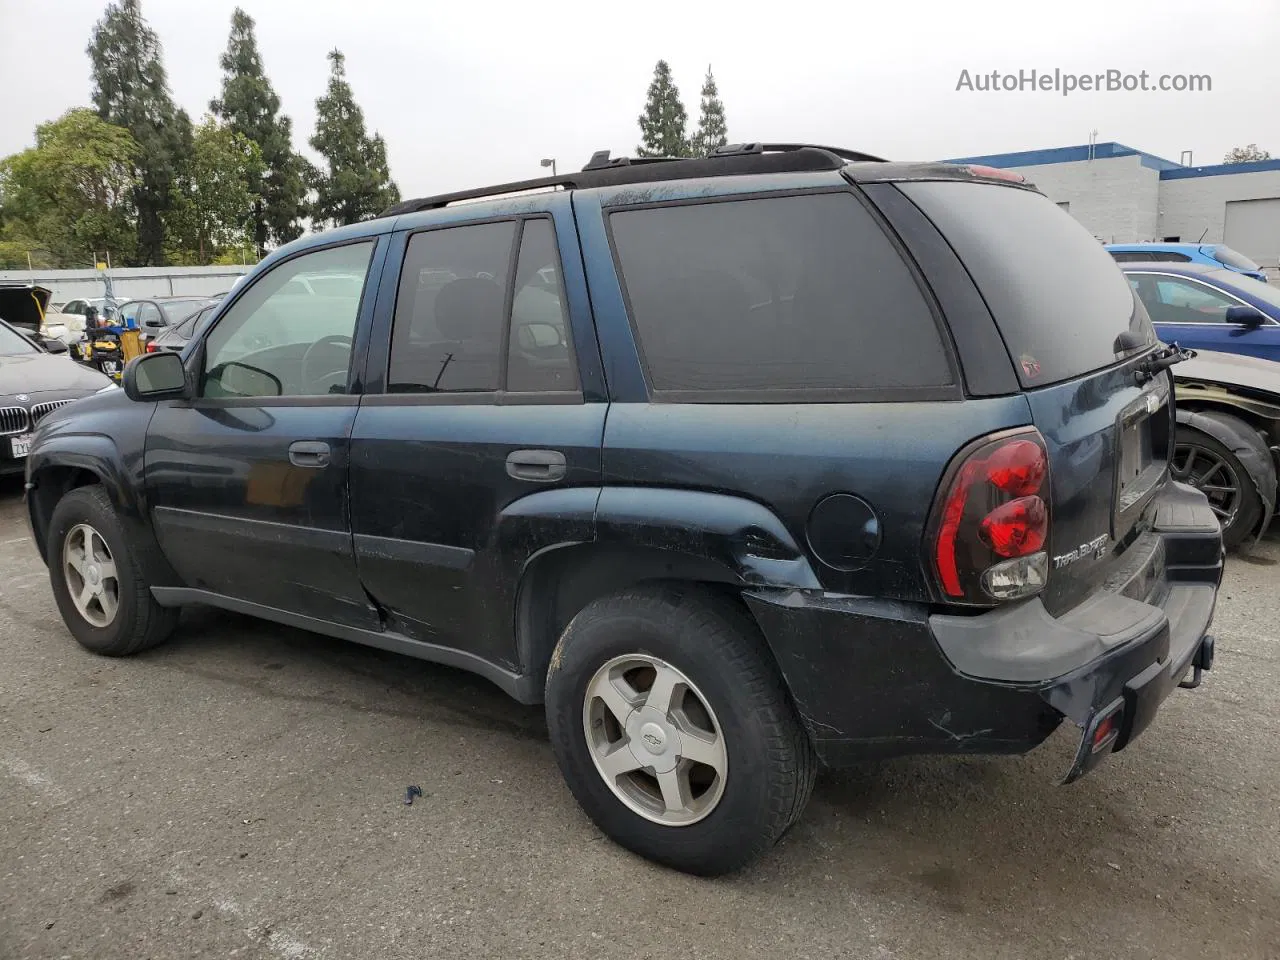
x: 1162, y: 359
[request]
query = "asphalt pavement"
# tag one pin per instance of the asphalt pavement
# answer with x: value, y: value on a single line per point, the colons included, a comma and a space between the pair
x: 239, y: 792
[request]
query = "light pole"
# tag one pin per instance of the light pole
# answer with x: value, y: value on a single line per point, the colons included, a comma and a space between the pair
x: 550, y: 162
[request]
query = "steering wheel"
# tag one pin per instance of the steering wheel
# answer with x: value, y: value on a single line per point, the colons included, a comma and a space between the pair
x: 337, y: 376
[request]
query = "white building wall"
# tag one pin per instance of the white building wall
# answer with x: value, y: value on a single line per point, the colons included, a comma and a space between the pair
x: 131, y: 282
x: 1191, y: 206
x: 1115, y: 198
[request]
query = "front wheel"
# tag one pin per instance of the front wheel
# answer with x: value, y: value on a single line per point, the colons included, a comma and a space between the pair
x: 674, y: 730
x: 1207, y: 465
x: 97, y: 578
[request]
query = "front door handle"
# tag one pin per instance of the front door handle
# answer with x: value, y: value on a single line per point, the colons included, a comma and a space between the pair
x: 540, y: 466
x: 309, y: 453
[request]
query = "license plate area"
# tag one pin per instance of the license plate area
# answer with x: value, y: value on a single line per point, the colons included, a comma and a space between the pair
x: 1141, y: 456
x: 20, y: 446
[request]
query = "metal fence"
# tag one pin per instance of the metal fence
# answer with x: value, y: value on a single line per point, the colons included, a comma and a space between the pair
x: 131, y: 282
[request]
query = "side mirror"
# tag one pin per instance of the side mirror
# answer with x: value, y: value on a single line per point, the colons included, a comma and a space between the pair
x: 53, y: 345
x: 1250, y: 317
x: 155, y: 376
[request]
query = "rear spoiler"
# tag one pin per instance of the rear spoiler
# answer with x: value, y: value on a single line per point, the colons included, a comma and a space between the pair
x: 965, y: 172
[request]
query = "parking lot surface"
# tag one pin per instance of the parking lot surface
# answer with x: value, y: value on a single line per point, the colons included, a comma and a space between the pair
x: 239, y: 792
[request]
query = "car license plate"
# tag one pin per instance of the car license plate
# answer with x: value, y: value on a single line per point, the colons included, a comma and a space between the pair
x: 20, y: 446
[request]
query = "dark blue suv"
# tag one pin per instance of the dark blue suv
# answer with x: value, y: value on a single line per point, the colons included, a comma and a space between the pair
x: 741, y: 465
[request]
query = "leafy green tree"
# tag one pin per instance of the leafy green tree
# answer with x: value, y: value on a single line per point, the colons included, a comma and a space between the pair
x: 712, y: 130
x: 130, y: 90
x: 1246, y: 154
x: 215, y: 201
x: 72, y: 194
x: 355, y: 184
x: 251, y: 107
x: 662, y: 125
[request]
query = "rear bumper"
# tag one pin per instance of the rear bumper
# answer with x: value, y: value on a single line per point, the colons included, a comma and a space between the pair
x: 882, y: 678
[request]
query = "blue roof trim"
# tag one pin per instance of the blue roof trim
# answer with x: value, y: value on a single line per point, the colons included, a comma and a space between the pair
x: 1219, y: 170
x: 1109, y: 151
x: 1075, y: 154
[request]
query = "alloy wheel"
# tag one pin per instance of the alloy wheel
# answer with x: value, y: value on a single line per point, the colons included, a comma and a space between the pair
x: 655, y: 740
x: 90, y: 572
x: 1212, y: 475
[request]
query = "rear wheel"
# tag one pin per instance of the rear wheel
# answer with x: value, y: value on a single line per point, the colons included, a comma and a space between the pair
x: 674, y: 730
x: 97, y: 578
x: 1207, y: 465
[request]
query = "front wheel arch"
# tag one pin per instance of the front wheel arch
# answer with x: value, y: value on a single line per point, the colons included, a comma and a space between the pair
x: 1244, y: 445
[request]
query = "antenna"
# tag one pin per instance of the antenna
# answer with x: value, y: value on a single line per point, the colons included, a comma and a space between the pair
x: 1185, y: 158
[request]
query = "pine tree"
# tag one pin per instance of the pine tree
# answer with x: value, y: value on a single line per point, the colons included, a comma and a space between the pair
x: 251, y: 108
x: 130, y: 90
x: 663, y: 122
x: 712, y: 131
x: 356, y: 184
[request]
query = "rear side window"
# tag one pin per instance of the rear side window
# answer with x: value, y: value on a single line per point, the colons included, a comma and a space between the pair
x: 1125, y: 256
x: 779, y: 294
x: 1233, y: 259
x: 1059, y: 300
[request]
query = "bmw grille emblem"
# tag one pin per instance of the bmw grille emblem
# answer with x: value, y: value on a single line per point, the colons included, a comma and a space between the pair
x: 22, y: 398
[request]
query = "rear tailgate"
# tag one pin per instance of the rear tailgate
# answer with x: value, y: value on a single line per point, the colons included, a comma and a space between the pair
x: 1061, y: 304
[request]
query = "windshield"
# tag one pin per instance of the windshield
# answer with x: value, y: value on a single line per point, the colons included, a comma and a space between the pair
x: 12, y: 342
x: 176, y: 310
x: 1255, y: 288
x: 1233, y: 259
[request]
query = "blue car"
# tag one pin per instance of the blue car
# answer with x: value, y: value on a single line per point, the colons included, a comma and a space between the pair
x: 1209, y: 308
x: 1217, y: 255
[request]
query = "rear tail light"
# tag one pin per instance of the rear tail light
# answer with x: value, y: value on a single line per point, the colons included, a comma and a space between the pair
x: 991, y: 522
x: 151, y: 346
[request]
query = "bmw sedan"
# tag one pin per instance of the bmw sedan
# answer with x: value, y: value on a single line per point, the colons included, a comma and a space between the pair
x: 32, y: 383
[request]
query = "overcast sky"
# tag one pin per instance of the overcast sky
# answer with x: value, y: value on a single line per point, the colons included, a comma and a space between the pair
x: 472, y: 93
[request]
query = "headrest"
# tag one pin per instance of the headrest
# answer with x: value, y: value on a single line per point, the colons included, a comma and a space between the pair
x: 469, y: 309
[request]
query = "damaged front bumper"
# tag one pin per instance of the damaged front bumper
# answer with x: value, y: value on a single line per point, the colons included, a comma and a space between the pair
x: 883, y: 678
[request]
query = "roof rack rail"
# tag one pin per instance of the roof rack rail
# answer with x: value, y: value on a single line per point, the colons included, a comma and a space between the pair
x: 602, y: 170
x: 743, y: 149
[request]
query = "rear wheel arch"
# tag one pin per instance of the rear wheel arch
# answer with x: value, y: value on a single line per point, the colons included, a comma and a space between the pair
x: 559, y: 583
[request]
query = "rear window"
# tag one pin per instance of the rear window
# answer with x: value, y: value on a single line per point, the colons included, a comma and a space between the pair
x: 1234, y: 259
x: 774, y: 295
x: 1058, y: 298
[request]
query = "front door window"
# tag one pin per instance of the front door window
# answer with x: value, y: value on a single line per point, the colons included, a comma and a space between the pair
x: 290, y: 334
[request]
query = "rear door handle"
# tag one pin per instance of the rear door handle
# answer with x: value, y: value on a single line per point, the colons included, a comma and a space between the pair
x: 309, y: 453
x: 540, y: 466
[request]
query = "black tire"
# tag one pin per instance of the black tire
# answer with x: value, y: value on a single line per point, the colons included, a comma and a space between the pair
x: 716, y: 645
x: 1246, y: 511
x: 139, y: 622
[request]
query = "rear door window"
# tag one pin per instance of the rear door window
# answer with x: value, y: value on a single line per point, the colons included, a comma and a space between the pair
x: 539, y: 358
x: 447, y: 333
x: 773, y: 296
x: 1058, y: 298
